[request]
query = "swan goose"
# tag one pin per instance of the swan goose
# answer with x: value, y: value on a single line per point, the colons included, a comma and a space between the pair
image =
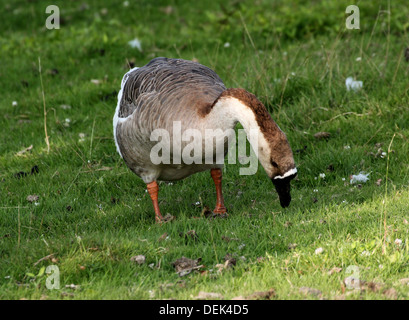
x: 168, y: 91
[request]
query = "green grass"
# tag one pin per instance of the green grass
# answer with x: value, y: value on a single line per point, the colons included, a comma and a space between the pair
x: 93, y: 214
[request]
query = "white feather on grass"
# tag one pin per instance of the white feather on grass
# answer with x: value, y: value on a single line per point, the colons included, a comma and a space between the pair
x: 362, y: 177
x: 352, y: 84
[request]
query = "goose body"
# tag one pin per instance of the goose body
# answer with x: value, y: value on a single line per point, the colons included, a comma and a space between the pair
x: 176, y: 96
x: 155, y: 96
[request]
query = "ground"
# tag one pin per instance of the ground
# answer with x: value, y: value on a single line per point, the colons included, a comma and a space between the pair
x: 67, y: 199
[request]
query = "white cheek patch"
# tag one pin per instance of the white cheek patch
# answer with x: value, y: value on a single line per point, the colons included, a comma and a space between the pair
x: 287, y: 174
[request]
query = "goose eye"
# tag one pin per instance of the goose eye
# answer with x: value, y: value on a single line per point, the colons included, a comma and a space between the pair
x: 274, y: 164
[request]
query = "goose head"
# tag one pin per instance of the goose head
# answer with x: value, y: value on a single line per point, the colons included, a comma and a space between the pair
x: 278, y: 162
x: 276, y: 157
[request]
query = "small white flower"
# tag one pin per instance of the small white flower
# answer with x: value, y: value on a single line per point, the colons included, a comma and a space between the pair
x: 365, y: 253
x: 322, y: 175
x: 343, y: 179
x: 398, y: 242
x: 227, y: 44
x: 358, y: 59
x: 319, y: 250
x: 14, y: 103
x: 82, y: 137
x: 347, y: 147
x: 242, y: 246
x: 315, y: 190
x: 36, y: 203
x: 383, y: 154
x: 126, y: 3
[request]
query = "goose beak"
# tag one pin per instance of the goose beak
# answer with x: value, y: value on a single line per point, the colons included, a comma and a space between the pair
x: 283, y: 189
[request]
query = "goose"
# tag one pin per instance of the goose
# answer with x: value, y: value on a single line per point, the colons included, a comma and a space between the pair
x: 168, y: 91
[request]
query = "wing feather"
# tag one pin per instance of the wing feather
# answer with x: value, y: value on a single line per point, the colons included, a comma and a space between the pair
x: 170, y: 84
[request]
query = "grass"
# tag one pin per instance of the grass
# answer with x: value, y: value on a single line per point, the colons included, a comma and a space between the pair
x: 93, y: 214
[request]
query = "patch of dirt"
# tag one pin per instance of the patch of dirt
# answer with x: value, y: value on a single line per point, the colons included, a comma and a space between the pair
x: 334, y: 270
x: 139, y: 259
x: 168, y: 218
x: 32, y: 198
x: 322, y: 135
x: 230, y: 260
x: 227, y: 239
x: 184, y: 266
x: 262, y: 295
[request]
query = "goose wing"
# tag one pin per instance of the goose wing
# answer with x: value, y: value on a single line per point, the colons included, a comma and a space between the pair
x: 170, y: 85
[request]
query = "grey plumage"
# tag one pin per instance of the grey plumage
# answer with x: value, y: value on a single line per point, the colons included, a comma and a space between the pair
x: 155, y: 95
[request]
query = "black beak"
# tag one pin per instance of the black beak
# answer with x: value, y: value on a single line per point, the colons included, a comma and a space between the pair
x: 283, y: 188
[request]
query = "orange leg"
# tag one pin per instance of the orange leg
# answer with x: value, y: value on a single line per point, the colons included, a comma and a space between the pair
x: 153, y: 191
x: 217, y: 178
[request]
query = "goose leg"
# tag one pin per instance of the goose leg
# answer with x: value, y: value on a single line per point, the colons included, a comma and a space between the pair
x: 153, y: 190
x: 217, y: 178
